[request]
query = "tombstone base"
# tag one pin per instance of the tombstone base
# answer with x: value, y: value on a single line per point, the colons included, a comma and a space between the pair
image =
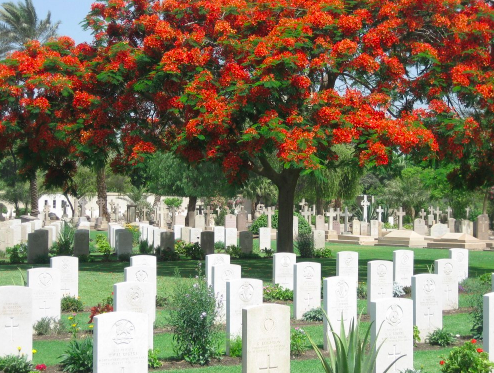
x: 354, y: 240
x: 331, y: 235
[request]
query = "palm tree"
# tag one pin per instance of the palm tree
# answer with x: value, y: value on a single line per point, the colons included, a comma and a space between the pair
x: 19, y: 24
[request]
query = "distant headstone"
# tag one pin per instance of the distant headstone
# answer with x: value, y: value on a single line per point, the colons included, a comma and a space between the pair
x: 283, y: 269
x: 200, y: 222
x: 307, y: 288
x: 320, y: 223
x: 482, y: 227
x: 364, y: 229
x: 347, y: 265
x: 246, y: 242
x: 231, y: 236
x: 403, y: 267
x: 180, y: 220
x: 45, y: 283
x: 319, y: 239
x: 242, y: 220
x: 356, y: 227
x: 120, y: 342
x: 430, y: 220
x: 177, y: 229
x: 337, y: 227
x: 452, y: 225
x: 466, y: 227
x: 239, y: 294
x: 16, y: 315
x: 222, y: 273
x: 266, y: 339
x: 219, y: 234
x: 207, y: 242
x: 136, y: 297
x: 295, y: 227
x: 447, y: 269
x: 123, y: 242
x: 461, y: 257
x: 230, y: 221
x: 376, y: 228
x: 25, y: 230
x: 37, y: 245
x: 142, y: 274
x: 427, y: 294
x: 439, y: 230
x: 379, y: 281
x: 264, y: 238
x: 340, y: 305
x: 167, y: 241
x: 81, y: 242
x: 195, y: 235
x: 392, y: 332
x: 212, y: 260
x: 420, y: 227
x: 69, y: 274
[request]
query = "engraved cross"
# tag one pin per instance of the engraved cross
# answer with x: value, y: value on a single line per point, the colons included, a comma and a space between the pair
x: 12, y: 326
x: 308, y: 299
x: 45, y: 307
x: 429, y: 314
x: 394, y: 355
x: 269, y: 367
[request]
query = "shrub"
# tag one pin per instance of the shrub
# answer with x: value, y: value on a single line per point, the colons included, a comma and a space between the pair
x: 99, y: 309
x: 167, y: 256
x: 219, y: 247
x: 136, y: 235
x: 15, y: 364
x: 315, y: 314
x: 49, y: 325
x: 192, y: 318
x: 180, y: 247
x: 103, y: 246
x: 153, y: 361
x: 441, y: 337
x: 194, y: 251
x: 416, y: 335
x: 234, y: 251
x: 124, y: 257
x: 65, y: 244
x: 486, y: 279
x: 17, y: 253
x: 297, y: 342
x: 305, y: 245
x: 71, y: 304
x: 78, y: 358
x: 323, y: 253
x: 268, y: 253
x: 277, y: 292
x: 144, y: 248
x: 262, y: 221
x: 161, y: 301
x: 361, y: 291
x: 467, y: 358
x: 42, y: 259
x: 236, y: 347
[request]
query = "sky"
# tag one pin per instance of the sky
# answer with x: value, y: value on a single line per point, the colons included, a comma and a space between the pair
x: 70, y: 13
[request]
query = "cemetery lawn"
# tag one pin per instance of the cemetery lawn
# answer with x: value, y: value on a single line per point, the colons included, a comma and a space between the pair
x: 96, y: 281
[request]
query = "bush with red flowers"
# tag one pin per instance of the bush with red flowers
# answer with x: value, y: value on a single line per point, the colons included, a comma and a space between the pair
x: 467, y: 358
x: 41, y: 367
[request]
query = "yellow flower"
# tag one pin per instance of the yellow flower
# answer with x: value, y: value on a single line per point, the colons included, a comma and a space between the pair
x: 91, y: 326
x: 70, y: 317
x: 74, y: 325
x: 34, y: 351
x: 19, y: 348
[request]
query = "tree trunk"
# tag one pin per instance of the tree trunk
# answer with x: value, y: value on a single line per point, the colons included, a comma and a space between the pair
x: 286, y: 183
x: 157, y: 199
x: 101, y: 186
x: 33, y: 191
x: 319, y: 206
x: 191, y: 207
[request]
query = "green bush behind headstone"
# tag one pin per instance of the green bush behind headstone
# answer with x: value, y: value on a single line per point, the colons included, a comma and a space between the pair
x: 262, y: 221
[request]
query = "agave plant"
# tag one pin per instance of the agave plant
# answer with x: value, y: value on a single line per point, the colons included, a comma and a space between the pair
x: 349, y: 355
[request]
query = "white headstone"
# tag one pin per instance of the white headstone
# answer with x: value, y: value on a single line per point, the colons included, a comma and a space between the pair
x: 427, y: 294
x: 230, y: 221
x: 69, y: 274
x: 340, y: 305
x: 142, y: 274
x: 266, y: 339
x: 195, y: 235
x: 392, y: 331
x: 239, y: 294
x: 177, y: 229
x: 461, y: 257
x: 231, y: 236
x: 120, y: 343
x: 283, y: 269
x: 212, y: 260
x: 379, y: 281
x: 319, y: 239
x: 356, y: 227
x: 403, y: 267
x: 16, y: 307
x: 136, y: 297
x: 222, y: 273
x: 219, y: 234
x: 295, y: 226
x: 347, y: 265
x: 25, y: 230
x: 488, y: 325
x: 45, y: 283
x: 439, y: 230
x: 147, y: 261
x: 307, y: 288
x: 447, y: 269
x: 264, y: 238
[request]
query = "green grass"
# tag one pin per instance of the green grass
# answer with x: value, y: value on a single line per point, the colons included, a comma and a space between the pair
x: 96, y: 281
